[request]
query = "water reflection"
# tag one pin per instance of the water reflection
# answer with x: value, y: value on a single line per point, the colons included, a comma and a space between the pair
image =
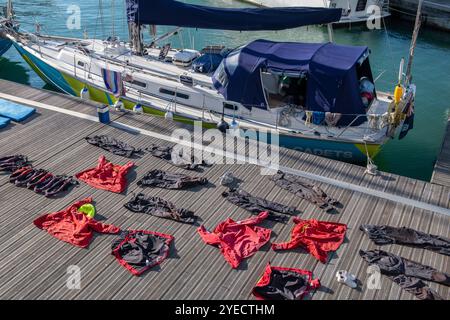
x: 13, y: 71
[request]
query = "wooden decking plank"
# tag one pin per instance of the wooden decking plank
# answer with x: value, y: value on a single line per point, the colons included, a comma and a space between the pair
x: 33, y: 264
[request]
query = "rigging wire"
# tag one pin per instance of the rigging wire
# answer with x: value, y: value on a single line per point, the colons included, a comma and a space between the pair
x: 388, y: 42
x: 113, y: 13
x: 124, y: 27
x: 99, y: 13
x: 100, y: 8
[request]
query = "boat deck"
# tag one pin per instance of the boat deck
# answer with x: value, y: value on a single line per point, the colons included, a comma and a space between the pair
x: 441, y: 173
x: 33, y: 265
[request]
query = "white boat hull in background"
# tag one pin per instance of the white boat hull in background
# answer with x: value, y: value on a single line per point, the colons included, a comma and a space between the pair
x: 354, y: 11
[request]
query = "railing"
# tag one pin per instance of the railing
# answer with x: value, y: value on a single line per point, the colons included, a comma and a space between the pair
x: 291, y: 119
x: 371, y: 126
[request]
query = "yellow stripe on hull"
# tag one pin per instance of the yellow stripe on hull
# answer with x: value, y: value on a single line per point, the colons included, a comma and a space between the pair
x: 372, y: 149
x: 107, y: 98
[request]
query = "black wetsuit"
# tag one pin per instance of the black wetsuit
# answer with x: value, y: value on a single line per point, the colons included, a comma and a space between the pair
x: 12, y: 163
x: 41, y: 181
x: 304, y: 190
x: 406, y: 273
x: 381, y: 235
x: 161, y: 208
x: 165, y: 153
x: 168, y: 180
x: 256, y: 205
x: 113, y: 145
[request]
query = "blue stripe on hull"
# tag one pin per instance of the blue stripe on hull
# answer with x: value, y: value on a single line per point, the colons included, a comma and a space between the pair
x: 54, y: 77
x: 343, y: 151
x: 4, y: 46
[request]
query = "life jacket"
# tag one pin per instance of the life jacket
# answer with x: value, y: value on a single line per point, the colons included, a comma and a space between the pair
x: 279, y: 283
x: 73, y: 226
x: 317, y: 237
x: 237, y: 240
x: 106, y: 176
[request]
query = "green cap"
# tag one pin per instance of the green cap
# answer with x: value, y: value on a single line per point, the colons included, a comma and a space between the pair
x: 88, y: 209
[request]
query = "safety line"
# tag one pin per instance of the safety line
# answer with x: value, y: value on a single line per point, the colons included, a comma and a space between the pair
x: 240, y: 158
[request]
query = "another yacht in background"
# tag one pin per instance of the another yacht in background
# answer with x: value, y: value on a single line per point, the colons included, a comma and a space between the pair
x: 353, y: 11
x: 6, y: 21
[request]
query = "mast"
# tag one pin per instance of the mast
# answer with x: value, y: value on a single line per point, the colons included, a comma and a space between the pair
x: 134, y: 30
x: 9, y: 10
x: 414, y: 42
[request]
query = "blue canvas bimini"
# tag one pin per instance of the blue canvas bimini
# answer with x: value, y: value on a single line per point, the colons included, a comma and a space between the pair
x: 14, y: 111
x: 332, y: 72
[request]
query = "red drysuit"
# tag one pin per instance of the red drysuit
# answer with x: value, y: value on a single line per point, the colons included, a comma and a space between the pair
x: 106, y: 176
x: 318, y: 237
x: 279, y: 283
x: 237, y: 240
x: 72, y: 226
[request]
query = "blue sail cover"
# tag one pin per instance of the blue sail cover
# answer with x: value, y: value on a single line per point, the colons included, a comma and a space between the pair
x: 175, y: 13
x: 331, y: 70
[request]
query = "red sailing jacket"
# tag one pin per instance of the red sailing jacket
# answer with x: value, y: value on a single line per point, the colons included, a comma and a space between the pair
x: 318, y: 237
x: 72, y: 226
x: 237, y: 240
x: 106, y: 176
x: 294, y: 286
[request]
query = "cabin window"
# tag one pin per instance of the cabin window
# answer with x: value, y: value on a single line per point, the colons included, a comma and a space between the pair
x: 81, y: 63
x: 230, y: 106
x: 173, y: 93
x: 186, y: 80
x: 361, y: 5
x: 139, y: 83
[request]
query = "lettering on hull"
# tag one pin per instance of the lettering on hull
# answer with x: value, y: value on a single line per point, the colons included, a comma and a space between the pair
x: 326, y: 153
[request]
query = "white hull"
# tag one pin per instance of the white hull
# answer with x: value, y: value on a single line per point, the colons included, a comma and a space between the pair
x: 200, y: 101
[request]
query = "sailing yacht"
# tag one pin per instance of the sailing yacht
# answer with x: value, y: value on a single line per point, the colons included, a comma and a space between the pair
x: 5, y: 22
x: 353, y: 11
x: 318, y: 97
